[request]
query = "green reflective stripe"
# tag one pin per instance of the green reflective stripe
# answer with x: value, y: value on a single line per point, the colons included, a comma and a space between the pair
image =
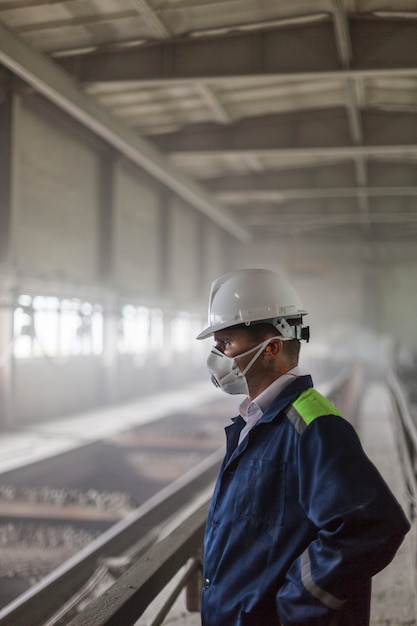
x: 325, y: 597
x: 310, y: 404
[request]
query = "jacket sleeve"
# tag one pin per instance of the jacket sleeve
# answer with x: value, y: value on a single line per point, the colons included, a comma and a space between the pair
x: 358, y: 525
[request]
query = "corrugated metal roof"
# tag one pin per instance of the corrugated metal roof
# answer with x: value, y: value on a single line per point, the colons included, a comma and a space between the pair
x: 288, y: 117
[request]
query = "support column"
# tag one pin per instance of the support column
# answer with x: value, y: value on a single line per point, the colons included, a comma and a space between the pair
x: 375, y: 358
x: 6, y: 364
x: 7, y: 112
x: 165, y: 280
x: 109, y: 374
x: 371, y: 309
x: 165, y: 199
x: 6, y: 160
x: 200, y: 288
x: 109, y: 380
x: 106, y: 218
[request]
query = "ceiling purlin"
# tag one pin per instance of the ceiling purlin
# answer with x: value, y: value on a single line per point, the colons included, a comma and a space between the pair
x: 325, y: 220
x: 306, y: 154
x: 85, y: 20
x: 305, y: 132
x: 305, y: 222
x: 153, y: 19
x: 23, y: 4
x: 344, y: 46
x: 334, y: 175
x: 283, y: 194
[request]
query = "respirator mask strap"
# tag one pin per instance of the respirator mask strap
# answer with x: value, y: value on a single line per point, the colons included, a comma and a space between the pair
x: 260, y: 348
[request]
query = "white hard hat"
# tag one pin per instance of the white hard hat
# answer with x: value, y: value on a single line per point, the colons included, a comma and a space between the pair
x: 254, y: 295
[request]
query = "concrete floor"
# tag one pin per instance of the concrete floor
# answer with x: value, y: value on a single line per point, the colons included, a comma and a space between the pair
x: 394, y: 599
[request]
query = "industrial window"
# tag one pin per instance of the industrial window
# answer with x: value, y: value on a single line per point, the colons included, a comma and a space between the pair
x: 134, y: 330
x: 45, y: 326
x: 50, y: 327
x: 184, y: 329
x: 182, y: 332
x: 141, y: 330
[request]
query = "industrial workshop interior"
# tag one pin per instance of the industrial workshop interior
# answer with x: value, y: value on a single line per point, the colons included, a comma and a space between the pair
x: 148, y: 147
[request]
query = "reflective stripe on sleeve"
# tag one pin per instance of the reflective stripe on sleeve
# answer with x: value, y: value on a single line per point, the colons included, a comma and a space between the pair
x: 296, y: 420
x: 306, y: 578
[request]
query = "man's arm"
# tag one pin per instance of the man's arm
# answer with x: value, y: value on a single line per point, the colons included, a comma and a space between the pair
x: 360, y: 525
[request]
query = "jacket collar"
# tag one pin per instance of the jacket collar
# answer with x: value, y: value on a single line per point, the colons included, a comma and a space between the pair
x: 287, y: 395
x: 280, y: 402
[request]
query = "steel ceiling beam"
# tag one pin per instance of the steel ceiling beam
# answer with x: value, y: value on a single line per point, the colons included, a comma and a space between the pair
x: 282, y: 195
x: 274, y: 180
x: 85, y: 20
x: 51, y: 81
x: 260, y: 54
x: 305, y: 129
x: 308, y: 221
x: 307, y: 154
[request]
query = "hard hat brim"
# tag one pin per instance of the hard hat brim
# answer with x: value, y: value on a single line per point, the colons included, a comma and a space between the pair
x: 210, y: 330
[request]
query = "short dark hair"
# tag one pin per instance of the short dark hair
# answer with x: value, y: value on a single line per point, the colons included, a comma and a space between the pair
x: 259, y: 331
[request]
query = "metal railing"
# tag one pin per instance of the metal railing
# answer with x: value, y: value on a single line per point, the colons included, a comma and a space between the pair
x: 131, y: 594
x: 45, y: 602
x: 406, y: 440
x: 158, y: 540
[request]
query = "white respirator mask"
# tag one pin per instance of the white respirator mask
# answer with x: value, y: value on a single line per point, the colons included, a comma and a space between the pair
x: 225, y: 372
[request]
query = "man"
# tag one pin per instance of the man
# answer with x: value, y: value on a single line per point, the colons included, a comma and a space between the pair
x: 300, y: 518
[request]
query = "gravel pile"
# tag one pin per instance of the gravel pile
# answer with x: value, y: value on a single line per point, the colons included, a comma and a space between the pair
x: 104, y: 500
x: 32, y: 536
x: 30, y: 550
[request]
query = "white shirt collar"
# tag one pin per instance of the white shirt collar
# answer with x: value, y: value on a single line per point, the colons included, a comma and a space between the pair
x: 265, y: 398
x: 252, y: 410
x: 249, y: 408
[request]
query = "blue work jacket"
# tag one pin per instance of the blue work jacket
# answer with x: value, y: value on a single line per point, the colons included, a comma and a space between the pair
x: 299, y: 522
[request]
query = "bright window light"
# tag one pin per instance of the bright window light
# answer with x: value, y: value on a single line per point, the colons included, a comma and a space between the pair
x: 142, y: 330
x: 156, y: 331
x: 97, y: 329
x: 23, y: 328
x: 69, y: 324
x: 181, y: 332
x: 47, y: 326
x: 135, y: 330
x: 46, y: 316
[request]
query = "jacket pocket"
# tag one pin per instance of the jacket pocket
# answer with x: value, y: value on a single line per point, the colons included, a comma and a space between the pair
x: 260, y: 493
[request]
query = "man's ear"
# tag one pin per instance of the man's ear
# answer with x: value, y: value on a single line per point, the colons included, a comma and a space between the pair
x: 273, y: 348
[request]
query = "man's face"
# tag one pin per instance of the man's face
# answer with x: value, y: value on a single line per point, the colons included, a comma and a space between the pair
x: 234, y: 341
